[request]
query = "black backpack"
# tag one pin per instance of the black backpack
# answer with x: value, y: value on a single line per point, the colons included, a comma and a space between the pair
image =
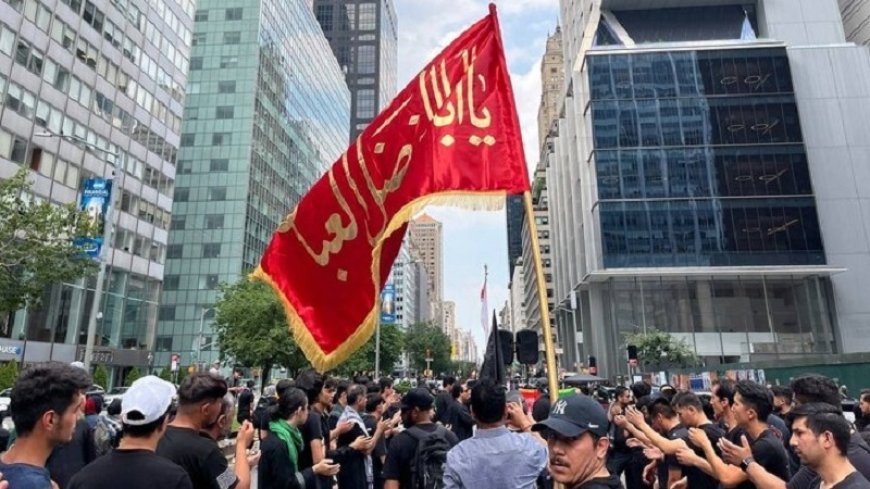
x: 430, y: 457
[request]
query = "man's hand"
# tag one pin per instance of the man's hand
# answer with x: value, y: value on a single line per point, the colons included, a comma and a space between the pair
x: 361, y: 444
x: 245, y: 435
x: 649, y: 472
x: 384, y: 425
x: 680, y: 484
x: 326, y: 468
x: 634, y: 443
x: 516, y: 416
x: 735, y: 454
x: 653, y: 454
x: 699, y: 438
x: 343, y: 427
x: 254, y: 459
x: 635, y: 417
x: 620, y: 421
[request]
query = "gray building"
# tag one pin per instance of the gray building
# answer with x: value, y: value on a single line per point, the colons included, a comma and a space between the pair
x: 856, y: 20
x: 109, y: 77
x: 266, y: 115
x: 704, y: 178
x: 364, y: 37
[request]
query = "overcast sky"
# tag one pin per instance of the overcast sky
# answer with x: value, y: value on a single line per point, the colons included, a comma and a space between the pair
x: 473, y: 239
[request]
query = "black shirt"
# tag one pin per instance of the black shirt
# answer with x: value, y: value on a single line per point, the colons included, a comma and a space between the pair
x: 402, y: 451
x: 310, y: 431
x: 246, y: 399
x: 200, y: 457
x: 694, y: 475
x: 611, y: 482
x: 378, y: 453
x: 276, y: 471
x: 858, y: 455
x: 442, y: 400
x: 853, y: 481
x: 460, y: 420
x: 768, y: 451
x: 353, y: 468
x: 68, y: 459
x: 131, y: 469
x: 678, y: 432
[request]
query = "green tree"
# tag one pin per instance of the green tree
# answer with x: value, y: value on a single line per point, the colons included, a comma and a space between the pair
x: 36, y: 247
x: 8, y: 374
x: 660, y: 350
x: 423, y: 337
x: 101, y: 376
x: 132, y: 376
x: 252, y: 329
x: 363, y: 360
x: 165, y: 374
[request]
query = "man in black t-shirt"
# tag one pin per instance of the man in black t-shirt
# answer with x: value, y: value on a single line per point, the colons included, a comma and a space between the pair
x: 245, y: 403
x: 375, y: 406
x: 417, y: 413
x: 458, y: 417
x: 200, y: 400
x: 442, y: 400
x: 357, y: 470
x: 753, y: 403
x: 134, y: 465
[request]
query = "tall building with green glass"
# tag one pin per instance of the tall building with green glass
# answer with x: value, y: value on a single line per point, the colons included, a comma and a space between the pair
x: 267, y: 112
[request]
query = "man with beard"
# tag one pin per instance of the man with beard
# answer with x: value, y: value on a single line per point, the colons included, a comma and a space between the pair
x: 862, y: 420
x: 623, y: 458
x: 458, y: 418
x: 576, y: 434
x: 783, y: 397
x: 200, y: 400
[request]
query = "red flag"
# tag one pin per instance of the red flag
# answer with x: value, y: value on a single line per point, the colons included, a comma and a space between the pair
x: 451, y: 137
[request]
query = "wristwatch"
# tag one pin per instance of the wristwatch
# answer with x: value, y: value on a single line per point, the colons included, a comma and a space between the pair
x: 746, y: 463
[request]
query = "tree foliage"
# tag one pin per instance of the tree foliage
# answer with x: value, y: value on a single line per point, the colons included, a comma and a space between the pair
x: 421, y: 337
x: 165, y: 374
x: 658, y: 350
x: 252, y: 329
x: 101, y: 376
x: 36, y: 244
x: 363, y: 360
x: 8, y: 374
x: 132, y: 376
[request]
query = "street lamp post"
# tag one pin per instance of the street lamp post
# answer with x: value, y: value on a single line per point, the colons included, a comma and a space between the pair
x: 202, y: 314
x: 108, y: 232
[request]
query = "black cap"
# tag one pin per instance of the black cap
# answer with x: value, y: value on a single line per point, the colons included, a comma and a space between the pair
x: 575, y: 415
x: 417, y: 398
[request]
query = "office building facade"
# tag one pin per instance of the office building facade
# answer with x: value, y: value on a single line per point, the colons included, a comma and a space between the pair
x: 267, y: 114
x: 856, y: 20
x: 87, y: 88
x: 363, y: 35
x: 701, y: 181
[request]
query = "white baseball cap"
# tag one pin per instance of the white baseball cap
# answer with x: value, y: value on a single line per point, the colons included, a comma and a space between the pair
x: 150, y: 397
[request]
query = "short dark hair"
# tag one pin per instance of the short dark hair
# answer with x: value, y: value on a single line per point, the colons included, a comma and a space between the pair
x: 756, y: 397
x: 661, y: 406
x: 822, y: 417
x: 250, y: 384
x: 640, y: 389
x: 541, y: 409
x: 782, y: 391
x: 488, y: 401
x: 199, y: 387
x: 815, y: 388
x: 288, y: 403
x: 456, y: 390
x: 385, y: 383
x: 145, y: 430
x: 449, y: 380
x: 725, y: 390
x: 311, y: 383
x: 687, y: 399
x: 865, y: 395
x: 355, y: 392
x: 620, y: 391
x: 340, y: 389
x: 44, y: 388
x: 283, y: 385
x: 373, y: 401
x: 114, y: 408
x: 372, y: 387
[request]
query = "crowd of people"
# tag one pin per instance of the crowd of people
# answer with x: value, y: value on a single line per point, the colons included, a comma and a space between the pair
x: 317, y: 431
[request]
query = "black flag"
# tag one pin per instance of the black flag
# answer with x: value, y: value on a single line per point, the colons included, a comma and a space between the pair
x: 493, y: 363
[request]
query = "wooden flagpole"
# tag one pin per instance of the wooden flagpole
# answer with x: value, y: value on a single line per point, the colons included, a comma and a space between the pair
x: 549, y: 347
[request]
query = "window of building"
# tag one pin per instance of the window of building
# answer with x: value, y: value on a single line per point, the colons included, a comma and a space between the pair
x: 171, y: 282
x: 167, y: 313
x: 220, y: 164
x: 366, y: 60
x: 365, y: 104
x: 178, y: 223
x: 367, y: 17
x: 208, y: 282
x: 232, y: 37
x: 233, y: 14
x: 175, y: 251
x: 229, y: 61
x: 188, y: 139
x: 196, y: 63
x: 198, y: 38
x: 37, y: 13
x: 7, y: 40
x: 75, y: 5
x: 217, y: 193
x: 211, y: 250
x: 182, y: 195
x: 201, y: 16
x: 19, y: 150
x: 163, y: 343
x: 93, y: 16
x: 324, y: 17
x: 221, y: 138
x: 227, y: 86
x: 214, y: 221
x: 224, y: 112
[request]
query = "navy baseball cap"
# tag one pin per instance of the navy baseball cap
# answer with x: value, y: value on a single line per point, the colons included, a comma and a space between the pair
x: 417, y: 398
x: 574, y: 415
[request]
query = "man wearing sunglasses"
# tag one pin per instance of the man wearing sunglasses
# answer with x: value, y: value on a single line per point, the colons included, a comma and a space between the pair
x: 576, y: 434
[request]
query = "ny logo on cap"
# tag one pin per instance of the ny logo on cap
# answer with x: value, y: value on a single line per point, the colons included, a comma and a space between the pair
x: 560, y: 406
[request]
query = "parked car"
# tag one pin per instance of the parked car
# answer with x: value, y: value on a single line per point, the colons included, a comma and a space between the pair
x: 114, y: 393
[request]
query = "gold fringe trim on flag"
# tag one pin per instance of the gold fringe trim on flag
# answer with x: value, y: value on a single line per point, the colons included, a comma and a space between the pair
x: 322, y: 361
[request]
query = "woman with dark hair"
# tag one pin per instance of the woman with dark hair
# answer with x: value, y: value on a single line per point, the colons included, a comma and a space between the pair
x: 280, y: 458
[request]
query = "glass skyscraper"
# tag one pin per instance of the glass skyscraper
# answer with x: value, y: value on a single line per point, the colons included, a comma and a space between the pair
x: 86, y: 87
x: 364, y: 37
x: 267, y: 114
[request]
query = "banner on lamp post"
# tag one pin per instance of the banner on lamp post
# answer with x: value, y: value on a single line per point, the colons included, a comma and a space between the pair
x: 388, y: 304
x: 96, y: 195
